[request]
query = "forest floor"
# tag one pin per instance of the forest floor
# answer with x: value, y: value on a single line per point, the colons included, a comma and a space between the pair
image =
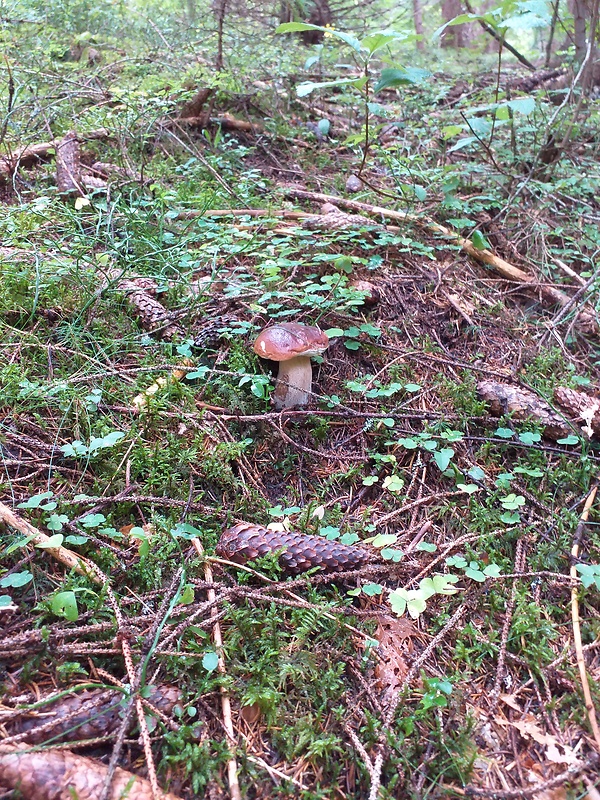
x: 135, y: 425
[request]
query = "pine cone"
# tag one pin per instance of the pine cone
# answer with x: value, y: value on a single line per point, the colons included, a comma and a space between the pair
x: 88, y: 714
x: 245, y: 542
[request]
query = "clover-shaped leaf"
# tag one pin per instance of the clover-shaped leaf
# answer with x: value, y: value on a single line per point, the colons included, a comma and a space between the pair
x: 512, y: 502
x: 384, y: 539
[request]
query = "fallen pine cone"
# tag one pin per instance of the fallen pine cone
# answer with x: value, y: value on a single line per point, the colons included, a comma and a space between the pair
x: 245, y: 542
x: 87, y: 714
x: 62, y: 775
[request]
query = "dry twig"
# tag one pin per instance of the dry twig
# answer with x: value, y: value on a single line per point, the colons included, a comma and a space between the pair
x: 36, y: 537
x: 587, y: 320
x: 589, y: 704
x: 234, y: 786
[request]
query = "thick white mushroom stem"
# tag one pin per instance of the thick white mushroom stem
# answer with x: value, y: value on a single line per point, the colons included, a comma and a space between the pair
x: 294, y: 383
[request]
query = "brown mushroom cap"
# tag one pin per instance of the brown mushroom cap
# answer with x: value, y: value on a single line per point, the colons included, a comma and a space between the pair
x: 289, y: 340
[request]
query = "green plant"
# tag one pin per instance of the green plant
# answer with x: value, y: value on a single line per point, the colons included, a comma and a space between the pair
x: 364, y: 52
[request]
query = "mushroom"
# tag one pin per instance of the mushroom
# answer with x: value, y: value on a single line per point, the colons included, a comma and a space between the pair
x: 292, y: 344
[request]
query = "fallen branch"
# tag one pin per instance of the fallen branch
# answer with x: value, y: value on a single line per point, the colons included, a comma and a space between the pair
x: 589, y: 703
x: 587, y: 320
x: 32, y: 154
x: 245, y: 212
x: 51, y: 774
x: 234, y: 786
x: 226, y: 121
x: 36, y: 537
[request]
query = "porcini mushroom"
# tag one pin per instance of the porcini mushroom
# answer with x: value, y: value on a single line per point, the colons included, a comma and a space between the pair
x: 292, y: 344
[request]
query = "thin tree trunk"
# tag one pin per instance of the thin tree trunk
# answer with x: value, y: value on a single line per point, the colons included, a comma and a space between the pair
x: 418, y: 20
x: 453, y: 36
x: 220, y: 9
x: 191, y: 10
x: 551, y: 34
x: 580, y: 17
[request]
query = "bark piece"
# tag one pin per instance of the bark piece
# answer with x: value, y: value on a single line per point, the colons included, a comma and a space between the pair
x: 32, y: 154
x: 62, y: 775
x: 245, y: 542
x: 195, y: 105
x: 91, y: 182
x: 68, y: 165
x: 87, y: 714
x: 105, y: 169
x: 331, y: 218
x: 522, y: 404
x: 583, y: 406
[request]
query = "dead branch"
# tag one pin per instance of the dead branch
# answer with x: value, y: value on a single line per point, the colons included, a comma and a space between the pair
x: 226, y: 121
x: 32, y: 154
x: 589, y: 703
x: 586, y: 320
x: 500, y: 39
x: 36, y: 537
x: 62, y: 775
x: 234, y: 786
x: 194, y: 107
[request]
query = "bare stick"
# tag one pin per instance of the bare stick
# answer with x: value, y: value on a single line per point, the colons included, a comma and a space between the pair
x: 500, y: 39
x: 510, y: 607
x: 499, y: 265
x: 234, y: 786
x: 589, y: 705
x: 27, y: 156
x: 36, y: 537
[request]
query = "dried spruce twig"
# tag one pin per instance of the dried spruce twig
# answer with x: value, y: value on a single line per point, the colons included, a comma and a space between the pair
x: 234, y: 786
x: 62, y: 554
x: 589, y: 703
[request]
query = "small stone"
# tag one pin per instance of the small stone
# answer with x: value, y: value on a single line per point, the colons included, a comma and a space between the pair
x: 353, y: 184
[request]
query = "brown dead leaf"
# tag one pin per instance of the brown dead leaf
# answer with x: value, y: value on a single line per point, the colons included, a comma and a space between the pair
x: 556, y: 752
x: 394, y: 643
x: 250, y: 714
x: 509, y: 700
x: 148, y: 528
